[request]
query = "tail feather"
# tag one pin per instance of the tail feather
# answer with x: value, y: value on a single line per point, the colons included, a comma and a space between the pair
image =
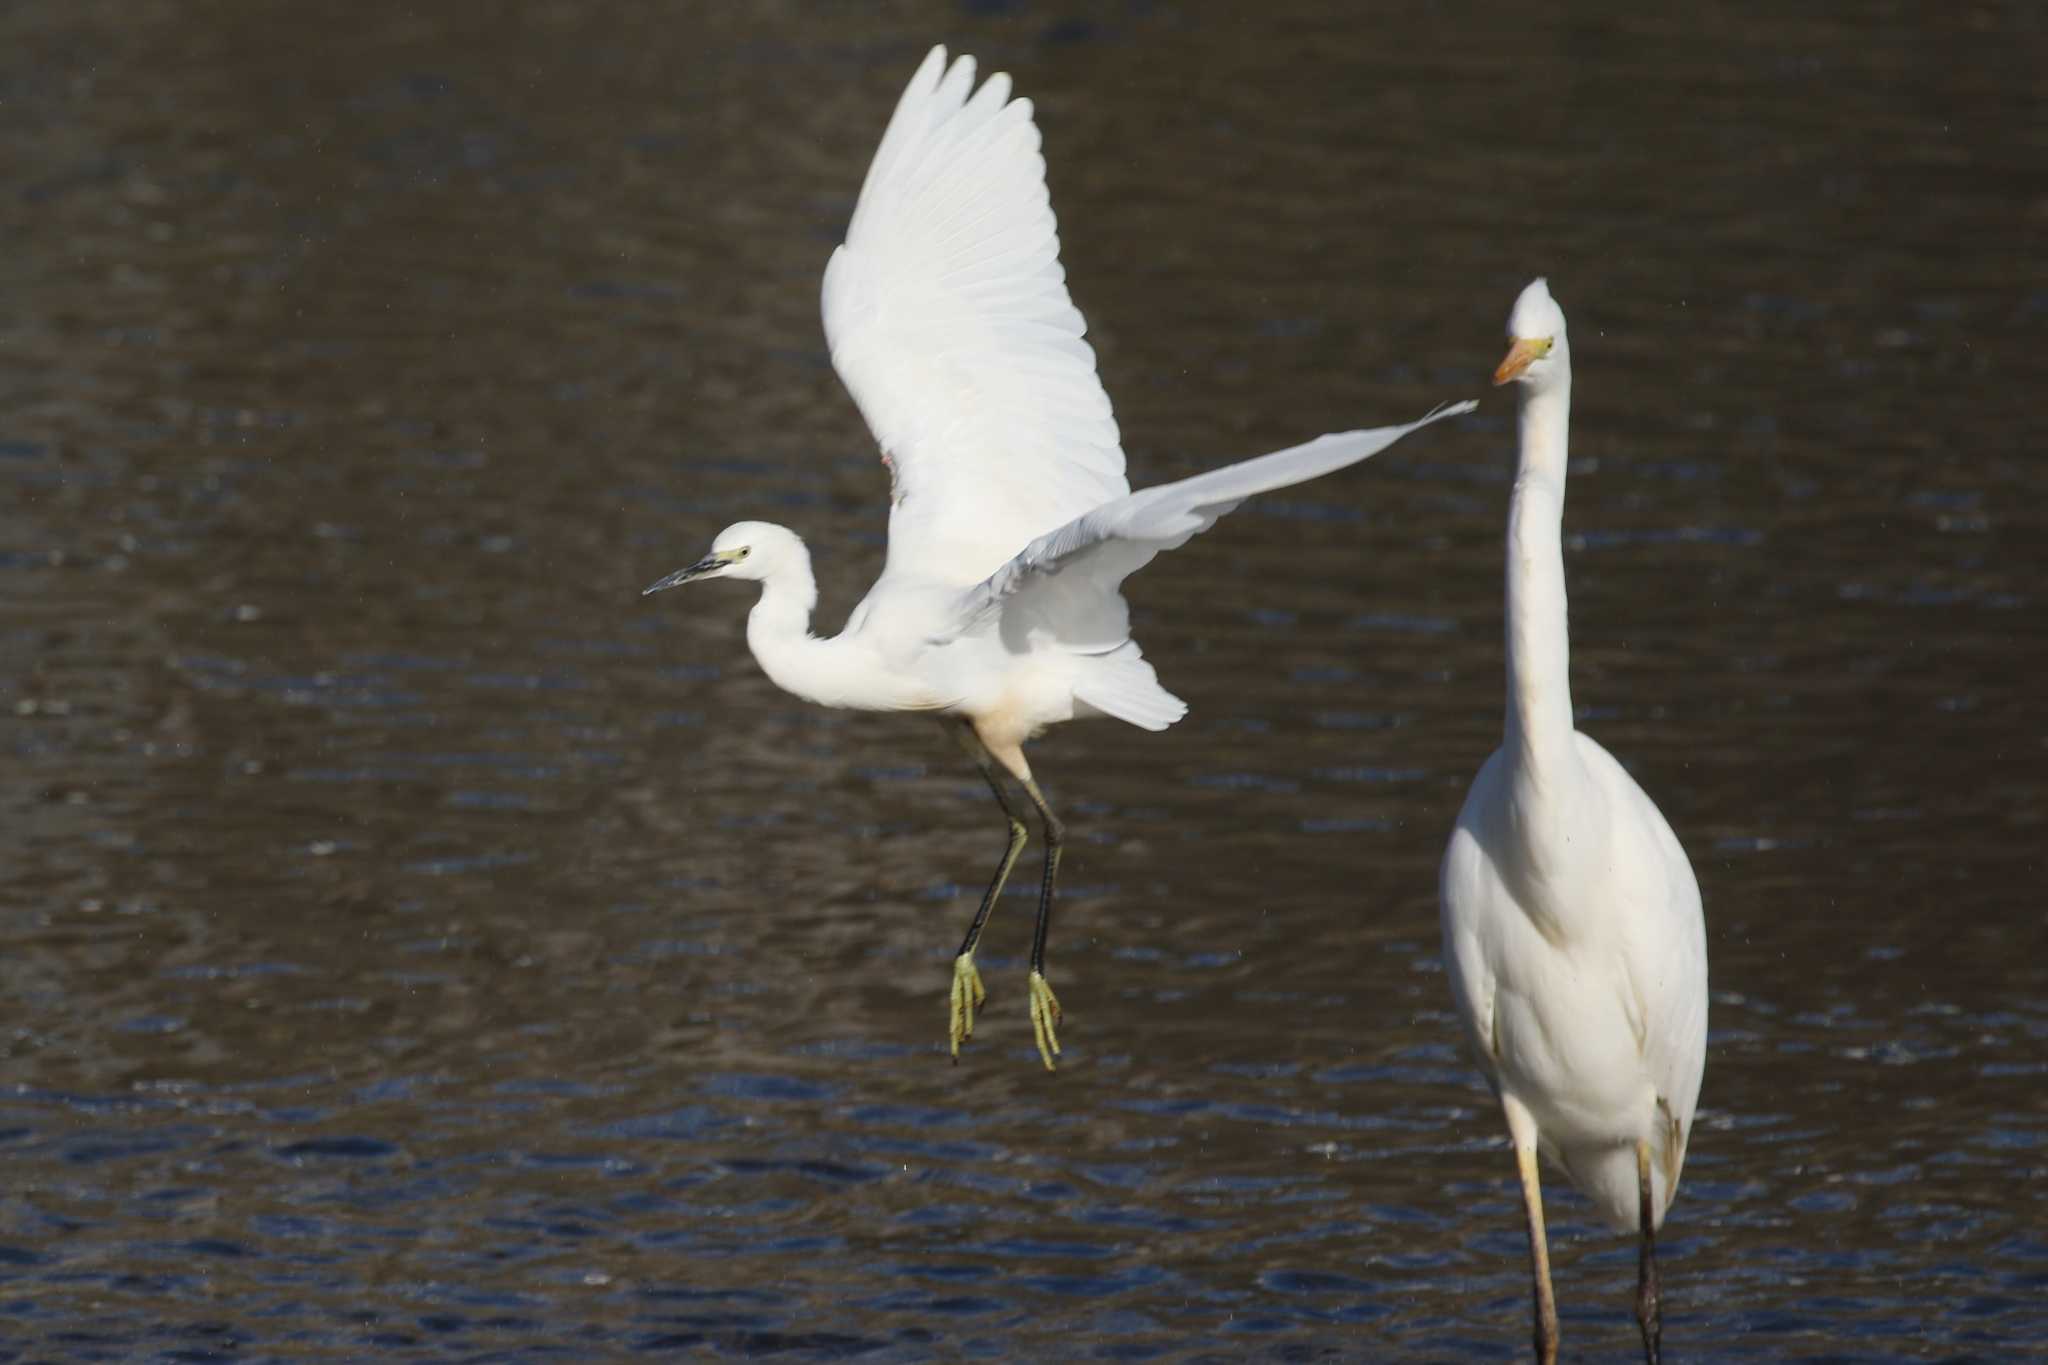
x: 1121, y: 684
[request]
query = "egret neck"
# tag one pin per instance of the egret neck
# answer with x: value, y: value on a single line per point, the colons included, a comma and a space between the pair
x: 1539, y: 714
x: 779, y: 631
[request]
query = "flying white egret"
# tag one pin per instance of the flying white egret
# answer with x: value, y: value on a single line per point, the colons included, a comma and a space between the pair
x: 1571, y: 919
x: 1011, y: 525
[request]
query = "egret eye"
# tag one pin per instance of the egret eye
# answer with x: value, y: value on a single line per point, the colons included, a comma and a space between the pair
x: 744, y: 551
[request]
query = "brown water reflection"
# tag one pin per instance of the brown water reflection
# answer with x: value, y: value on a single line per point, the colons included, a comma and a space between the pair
x: 419, y: 945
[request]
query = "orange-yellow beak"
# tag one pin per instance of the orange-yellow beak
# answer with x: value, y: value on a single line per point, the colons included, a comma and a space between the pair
x: 1525, y: 352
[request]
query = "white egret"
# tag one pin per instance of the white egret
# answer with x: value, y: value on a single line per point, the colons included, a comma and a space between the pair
x: 1011, y: 525
x: 1571, y: 919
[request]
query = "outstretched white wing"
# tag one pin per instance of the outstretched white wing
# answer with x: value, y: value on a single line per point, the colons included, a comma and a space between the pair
x: 949, y: 321
x: 1065, y: 583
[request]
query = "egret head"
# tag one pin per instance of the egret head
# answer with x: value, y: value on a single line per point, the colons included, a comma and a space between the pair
x: 1537, y: 353
x: 745, y: 549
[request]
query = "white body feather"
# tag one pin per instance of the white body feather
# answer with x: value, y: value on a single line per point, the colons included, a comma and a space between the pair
x: 1575, y: 975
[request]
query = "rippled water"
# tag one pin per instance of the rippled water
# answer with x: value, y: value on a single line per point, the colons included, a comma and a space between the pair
x: 418, y: 945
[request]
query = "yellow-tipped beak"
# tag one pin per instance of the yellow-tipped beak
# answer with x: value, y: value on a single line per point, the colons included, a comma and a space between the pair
x: 1525, y: 352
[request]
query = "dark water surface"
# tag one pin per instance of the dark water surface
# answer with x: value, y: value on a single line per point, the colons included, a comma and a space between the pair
x: 417, y: 945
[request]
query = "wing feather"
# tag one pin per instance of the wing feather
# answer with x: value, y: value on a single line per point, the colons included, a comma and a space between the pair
x: 1066, y: 582
x: 949, y: 321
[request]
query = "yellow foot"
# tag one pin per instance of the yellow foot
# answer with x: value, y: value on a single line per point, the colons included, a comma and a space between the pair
x: 967, y: 998
x: 1045, y: 1019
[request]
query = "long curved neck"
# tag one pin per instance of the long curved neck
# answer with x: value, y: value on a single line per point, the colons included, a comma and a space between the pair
x: 779, y: 633
x: 1539, y: 714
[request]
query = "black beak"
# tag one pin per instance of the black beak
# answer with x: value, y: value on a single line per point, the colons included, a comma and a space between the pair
x: 682, y: 576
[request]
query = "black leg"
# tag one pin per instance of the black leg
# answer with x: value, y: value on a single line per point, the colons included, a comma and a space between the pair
x: 967, y: 993
x: 1019, y: 835
x: 1055, y: 840
x: 1649, y: 1310
x: 1045, y: 1006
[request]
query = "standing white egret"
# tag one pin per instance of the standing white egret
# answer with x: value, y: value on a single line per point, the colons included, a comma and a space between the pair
x: 1011, y: 526
x: 1571, y: 919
